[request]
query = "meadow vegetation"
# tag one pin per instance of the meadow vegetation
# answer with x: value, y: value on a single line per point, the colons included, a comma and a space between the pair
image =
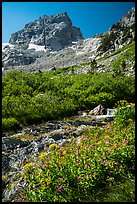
x: 98, y: 167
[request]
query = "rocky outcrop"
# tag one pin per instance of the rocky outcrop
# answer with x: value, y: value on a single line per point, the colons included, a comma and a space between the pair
x: 17, y: 56
x: 54, y: 32
x: 119, y: 34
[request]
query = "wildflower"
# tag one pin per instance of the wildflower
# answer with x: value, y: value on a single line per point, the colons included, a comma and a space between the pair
x: 26, y: 166
x: 59, y: 164
x: 126, y: 142
x: 42, y: 155
x: 99, y: 142
x: 109, y: 172
x: 77, y: 161
x: 43, y: 186
x: 124, y: 131
x: 117, y: 163
x: 90, y: 175
x: 97, y: 134
x: 60, y: 179
x: 110, y: 150
x: 52, y: 146
x: 45, y: 163
x: 18, y: 186
x: 48, y: 181
x: 60, y: 188
x: 78, y: 178
x: 107, y: 155
x: 86, y: 165
x: 76, y: 153
x: 116, y: 146
x: 36, y: 187
x: 105, y: 163
x: 107, y: 136
x: 64, y: 152
x: 106, y: 142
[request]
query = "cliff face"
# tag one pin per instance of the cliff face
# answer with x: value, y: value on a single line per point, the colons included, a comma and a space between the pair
x: 53, y: 41
x: 54, y: 32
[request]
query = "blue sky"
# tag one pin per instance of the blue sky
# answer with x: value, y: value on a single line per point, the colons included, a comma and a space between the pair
x: 91, y: 17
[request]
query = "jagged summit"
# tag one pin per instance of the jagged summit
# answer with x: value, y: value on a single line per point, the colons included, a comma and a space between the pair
x: 54, y: 32
x: 53, y: 41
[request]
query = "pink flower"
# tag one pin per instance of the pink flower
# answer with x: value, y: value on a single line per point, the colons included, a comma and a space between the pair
x: 110, y: 150
x: 60, y: 188
x: 116, y: 146
x: 90, y: 175
x: 36, y: 187
x: 109, y: 172
x: 86, y: 165
x: 60, y: 179
x: 126, y: 142
x: 117, y: 163
x: 106, y: 142
x: 78, y: 178
x: 45, y: 163
x: 77, y: 161
x: 85, y: 138
x: 18, y: 186
x: 59, y: 164
x: 107, y: 155
x: 105, y: 163
x: 76, y: 153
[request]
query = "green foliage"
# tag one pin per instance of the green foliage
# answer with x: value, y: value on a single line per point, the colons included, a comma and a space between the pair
x: 9, y: 124
x: 33, y: 97
x: 125, y: 113
x: 78, y: 171
x: 119, y: 65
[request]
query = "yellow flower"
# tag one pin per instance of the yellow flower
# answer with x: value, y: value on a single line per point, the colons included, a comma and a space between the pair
x: 28, y: 165
x: 107, y: 137
x: 42, y: 155
x: 48, y: 181
x: 53, y: 146
x: 64, y: 152
x: 43, y: 186
x: 83, y: 156
x: 99, y: 142
x: 95, y: 154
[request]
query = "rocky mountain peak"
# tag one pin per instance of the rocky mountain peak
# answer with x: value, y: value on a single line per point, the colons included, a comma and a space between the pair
x: 128, y: 19
x: 55, y: 32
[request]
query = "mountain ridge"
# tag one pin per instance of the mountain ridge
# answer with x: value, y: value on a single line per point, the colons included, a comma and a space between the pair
x: 31, y: 57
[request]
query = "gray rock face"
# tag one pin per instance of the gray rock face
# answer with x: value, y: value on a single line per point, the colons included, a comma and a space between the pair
x: 17, y: 56
x: 54, y: 32
x: 119, y: 34
x: 129, y: 19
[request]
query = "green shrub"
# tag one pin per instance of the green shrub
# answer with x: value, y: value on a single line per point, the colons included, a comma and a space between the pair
x: 125, y: 113
x: 9, y: 124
